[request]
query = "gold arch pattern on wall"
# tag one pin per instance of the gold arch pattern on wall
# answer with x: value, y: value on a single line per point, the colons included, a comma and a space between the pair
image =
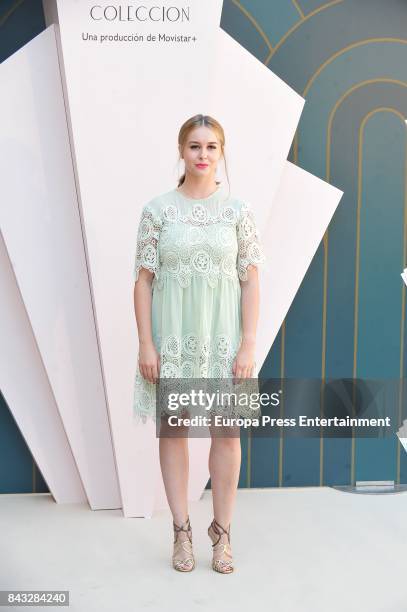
x: 358, y: 43
x: 299, y: 9
x: 325, y: 238
x: 263, y: 35
x: 10, y: 11
x: 282, y: 40
x: 357, y: 261
x: 326, y: 244
x: 254, y: 23
x: 331, y: 118
x: 359, y: 203
x: 345, y: 95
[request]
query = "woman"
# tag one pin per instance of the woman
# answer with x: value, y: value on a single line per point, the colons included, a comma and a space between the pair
x: 196, y: 300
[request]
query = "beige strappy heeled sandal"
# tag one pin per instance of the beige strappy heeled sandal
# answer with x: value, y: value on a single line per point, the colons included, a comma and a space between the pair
x: 183, y: 557
x: 222, y: 555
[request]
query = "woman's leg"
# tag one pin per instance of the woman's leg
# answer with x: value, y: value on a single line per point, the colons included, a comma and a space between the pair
x: 174, y: 461
x: 224, y: 468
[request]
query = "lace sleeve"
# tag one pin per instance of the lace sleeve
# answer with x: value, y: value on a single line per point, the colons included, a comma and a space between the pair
x: 148, y: 236
x: 248, y: 237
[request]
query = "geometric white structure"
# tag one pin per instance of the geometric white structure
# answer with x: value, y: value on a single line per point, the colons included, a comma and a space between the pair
x: 26, y: 389
x: 301, y: 212
x: 126, y: 101
x: 42, y: 231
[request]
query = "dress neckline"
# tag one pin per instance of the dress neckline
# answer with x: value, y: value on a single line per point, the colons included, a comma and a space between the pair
x: 207, y: 199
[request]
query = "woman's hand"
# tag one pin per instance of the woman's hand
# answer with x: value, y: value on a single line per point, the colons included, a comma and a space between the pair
x: 244, y: 363
x: 149, y: 362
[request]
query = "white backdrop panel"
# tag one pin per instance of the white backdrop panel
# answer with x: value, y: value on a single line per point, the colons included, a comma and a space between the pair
x: 127, y: 102
x: 26, y: 389
x: 302, y: 209
x: 42, y: 231
x: 260, y: 114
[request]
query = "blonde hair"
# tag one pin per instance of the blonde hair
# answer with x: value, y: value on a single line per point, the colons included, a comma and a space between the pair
x: 197, y: 121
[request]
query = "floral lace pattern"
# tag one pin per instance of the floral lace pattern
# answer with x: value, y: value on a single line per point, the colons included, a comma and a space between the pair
x: 197, y: 243
x: 250, y: 251
x: 188, y: 356
x: 198, y: 252
x: 147, y: 242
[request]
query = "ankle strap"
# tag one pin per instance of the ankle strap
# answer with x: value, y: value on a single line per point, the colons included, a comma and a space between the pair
x: 181, y: 527
x: 216, y: 526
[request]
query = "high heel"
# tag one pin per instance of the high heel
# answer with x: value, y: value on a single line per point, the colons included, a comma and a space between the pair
x: 180, y: 561
x: 222, y: 561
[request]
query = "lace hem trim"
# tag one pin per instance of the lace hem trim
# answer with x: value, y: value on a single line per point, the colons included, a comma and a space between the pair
x: 189, y: 356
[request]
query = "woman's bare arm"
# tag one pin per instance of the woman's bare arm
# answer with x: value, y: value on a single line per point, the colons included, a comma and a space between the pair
x: 149, y: 359
x: 250, y: 299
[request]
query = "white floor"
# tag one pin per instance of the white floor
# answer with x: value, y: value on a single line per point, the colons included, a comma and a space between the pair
x: 297, y: 550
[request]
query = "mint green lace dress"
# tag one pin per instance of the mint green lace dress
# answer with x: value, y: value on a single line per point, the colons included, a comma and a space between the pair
x: 199, y: 251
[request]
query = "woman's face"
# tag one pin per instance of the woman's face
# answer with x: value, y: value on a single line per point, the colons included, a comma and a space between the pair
x: 201, y: 152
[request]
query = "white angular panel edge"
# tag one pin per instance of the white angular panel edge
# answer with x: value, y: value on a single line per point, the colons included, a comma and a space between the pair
x: 43, y: 236
x: 301, y: 211
x: 26, y: 389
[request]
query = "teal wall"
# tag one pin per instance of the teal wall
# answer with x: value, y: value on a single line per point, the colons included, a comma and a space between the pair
x: 348, y: 59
